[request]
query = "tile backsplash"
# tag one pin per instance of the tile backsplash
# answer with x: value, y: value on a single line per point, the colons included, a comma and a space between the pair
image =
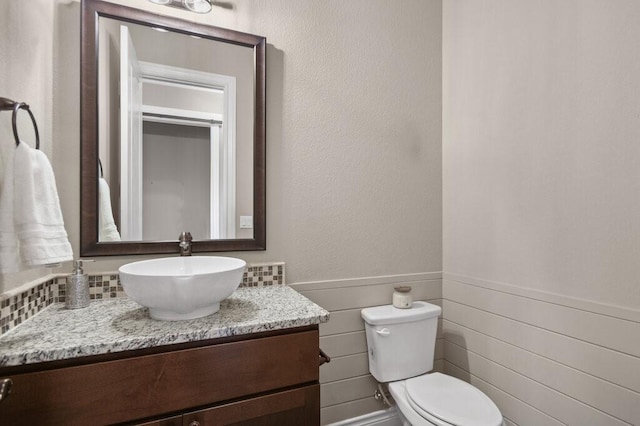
x: 258, y: 275
x: 16, y: 308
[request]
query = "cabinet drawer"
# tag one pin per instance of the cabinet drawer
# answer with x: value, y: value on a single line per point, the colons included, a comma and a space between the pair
x: 293, y: 407
x: 139, y: 387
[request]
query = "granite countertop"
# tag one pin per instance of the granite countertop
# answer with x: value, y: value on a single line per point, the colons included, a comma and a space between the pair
x: 116, y: 325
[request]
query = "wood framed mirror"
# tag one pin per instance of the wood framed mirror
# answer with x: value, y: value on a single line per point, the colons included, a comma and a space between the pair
x: 172, y: 134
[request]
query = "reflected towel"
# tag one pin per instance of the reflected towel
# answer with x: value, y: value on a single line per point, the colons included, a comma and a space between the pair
x: 37, y: 215
x: 9, y: 258
x: 107, y: 230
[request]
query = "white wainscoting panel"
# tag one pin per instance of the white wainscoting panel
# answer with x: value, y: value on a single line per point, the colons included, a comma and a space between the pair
x: 544, y: 359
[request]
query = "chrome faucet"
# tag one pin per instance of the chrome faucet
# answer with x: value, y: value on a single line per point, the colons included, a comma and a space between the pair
x: 185, y: 244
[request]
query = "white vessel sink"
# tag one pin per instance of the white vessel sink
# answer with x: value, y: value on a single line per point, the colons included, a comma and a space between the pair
x: 182, y: 288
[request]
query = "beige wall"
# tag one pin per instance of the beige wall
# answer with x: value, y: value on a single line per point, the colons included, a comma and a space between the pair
x: 26, y: 48
x: 353, y: 132
x: 353, y: 154
x: 541, y: 206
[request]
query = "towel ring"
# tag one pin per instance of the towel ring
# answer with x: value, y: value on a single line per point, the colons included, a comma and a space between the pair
x: 18, y: 106
x: 9, y: 105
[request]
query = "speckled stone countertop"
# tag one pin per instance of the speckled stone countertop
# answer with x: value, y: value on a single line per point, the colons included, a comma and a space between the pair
x: 120, y: 325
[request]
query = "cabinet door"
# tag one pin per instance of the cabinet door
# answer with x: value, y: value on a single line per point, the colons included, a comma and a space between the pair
x: 148, y: 386
x: 297, y: 407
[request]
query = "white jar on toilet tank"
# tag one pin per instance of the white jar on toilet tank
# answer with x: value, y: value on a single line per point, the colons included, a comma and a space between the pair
x: 402, y: 298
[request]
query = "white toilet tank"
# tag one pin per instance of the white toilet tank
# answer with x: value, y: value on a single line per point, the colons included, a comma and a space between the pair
x: 401, y: 342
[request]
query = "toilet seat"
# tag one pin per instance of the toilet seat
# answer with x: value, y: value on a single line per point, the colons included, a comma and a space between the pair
x: 446, y: 400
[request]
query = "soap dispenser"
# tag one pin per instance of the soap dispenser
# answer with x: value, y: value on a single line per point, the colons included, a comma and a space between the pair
x: 77, y: 288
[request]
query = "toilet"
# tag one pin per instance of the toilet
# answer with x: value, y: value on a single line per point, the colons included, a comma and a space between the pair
x: 401, y: 344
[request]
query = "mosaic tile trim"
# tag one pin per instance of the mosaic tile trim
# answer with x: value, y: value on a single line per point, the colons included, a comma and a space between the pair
x: 14, y: 309
x: 17, y: 308
x: 264, y: 274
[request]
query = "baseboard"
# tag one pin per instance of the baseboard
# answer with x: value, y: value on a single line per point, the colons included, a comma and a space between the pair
x: 388, y: 417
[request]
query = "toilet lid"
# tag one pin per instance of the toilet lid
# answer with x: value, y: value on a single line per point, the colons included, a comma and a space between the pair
x: 451, y: 400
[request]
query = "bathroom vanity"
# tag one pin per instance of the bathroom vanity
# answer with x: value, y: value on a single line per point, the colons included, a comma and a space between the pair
x: 255, y: 362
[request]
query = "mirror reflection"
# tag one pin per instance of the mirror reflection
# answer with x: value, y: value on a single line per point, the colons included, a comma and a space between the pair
x: 175, y: 131
x: 173, y: 134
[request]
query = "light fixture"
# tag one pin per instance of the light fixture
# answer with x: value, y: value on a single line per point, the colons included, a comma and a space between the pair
x: 197, y: 6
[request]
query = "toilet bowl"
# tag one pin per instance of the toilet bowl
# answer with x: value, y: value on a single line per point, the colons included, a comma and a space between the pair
x: 438, y: 399
x: 401, y: 344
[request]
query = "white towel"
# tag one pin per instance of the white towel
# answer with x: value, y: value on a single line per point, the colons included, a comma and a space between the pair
x: 37, y: 216
x: 9, y: 258
x: 107, y: 230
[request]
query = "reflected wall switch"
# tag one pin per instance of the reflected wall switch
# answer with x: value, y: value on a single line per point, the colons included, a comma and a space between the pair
x: 246, y: 222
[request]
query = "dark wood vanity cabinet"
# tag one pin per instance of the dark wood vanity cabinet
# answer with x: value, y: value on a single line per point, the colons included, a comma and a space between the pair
x: 297, y: 407
x: 258, y: 379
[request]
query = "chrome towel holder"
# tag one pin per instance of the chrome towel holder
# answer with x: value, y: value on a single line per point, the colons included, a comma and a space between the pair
x: 10, y: 105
